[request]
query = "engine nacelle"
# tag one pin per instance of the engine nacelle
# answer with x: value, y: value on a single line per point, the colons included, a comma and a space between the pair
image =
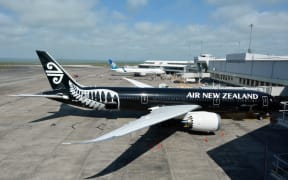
x: 202, y: 121
x: 140, y: 74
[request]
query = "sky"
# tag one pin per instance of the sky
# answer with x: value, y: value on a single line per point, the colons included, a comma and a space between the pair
x: 141, y: 29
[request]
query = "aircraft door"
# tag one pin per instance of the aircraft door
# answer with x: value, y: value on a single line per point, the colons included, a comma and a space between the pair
x: 216, y: 101
x: 144, y: 99
x: 265, y: 101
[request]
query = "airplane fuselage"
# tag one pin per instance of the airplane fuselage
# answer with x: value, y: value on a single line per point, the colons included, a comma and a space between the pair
x: 130, y: 98
x: 161, y: 104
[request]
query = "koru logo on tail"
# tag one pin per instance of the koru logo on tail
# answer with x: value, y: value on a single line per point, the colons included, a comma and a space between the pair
x: 55, y: 72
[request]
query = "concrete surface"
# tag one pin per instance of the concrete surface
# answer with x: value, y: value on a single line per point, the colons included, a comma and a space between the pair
x: 32, y: 130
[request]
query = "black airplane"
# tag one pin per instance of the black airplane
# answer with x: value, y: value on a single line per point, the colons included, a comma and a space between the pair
x: 161, y: 104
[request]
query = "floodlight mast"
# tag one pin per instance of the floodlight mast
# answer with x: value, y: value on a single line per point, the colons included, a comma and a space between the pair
x: 250, y: 39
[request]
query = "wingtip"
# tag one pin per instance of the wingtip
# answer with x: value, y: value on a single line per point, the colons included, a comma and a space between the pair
x: 79, y: 142
x: 20, y: 95
x: 69, y: 143
x: 91, y: 141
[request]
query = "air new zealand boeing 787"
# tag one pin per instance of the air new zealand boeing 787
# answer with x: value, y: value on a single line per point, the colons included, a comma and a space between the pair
x: 161, y: 104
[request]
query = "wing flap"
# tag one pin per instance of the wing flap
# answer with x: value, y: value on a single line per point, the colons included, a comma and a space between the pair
x: 157, y: 115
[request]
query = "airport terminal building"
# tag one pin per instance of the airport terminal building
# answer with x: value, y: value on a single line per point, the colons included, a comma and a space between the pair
x: 246, y: 69
x: 170, y: 67
x: 236, y: 69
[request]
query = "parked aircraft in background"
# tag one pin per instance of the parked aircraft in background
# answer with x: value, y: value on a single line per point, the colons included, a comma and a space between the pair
x: 135, y: 70
x: 161, y: 104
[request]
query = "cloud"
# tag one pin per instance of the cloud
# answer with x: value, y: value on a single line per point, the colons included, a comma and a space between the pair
x: 269, y: 27
x: 226, y: 2
x: 239, y: 17
x: 149, y: 28
x: 5, y: 20
x: 89, y: 30
x: 237, y: 2
x: 118, y: 15
x: 65, y: 13
x: 135, y: 4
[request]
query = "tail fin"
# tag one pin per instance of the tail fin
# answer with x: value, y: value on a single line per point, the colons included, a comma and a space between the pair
x: 113, y: 64
x: 57, y: 76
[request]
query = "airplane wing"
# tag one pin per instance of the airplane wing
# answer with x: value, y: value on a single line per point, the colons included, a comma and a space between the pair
x: 138, y: 83
x: 157, y: 115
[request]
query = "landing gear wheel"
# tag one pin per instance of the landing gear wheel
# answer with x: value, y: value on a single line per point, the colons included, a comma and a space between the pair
x: 259, y: 117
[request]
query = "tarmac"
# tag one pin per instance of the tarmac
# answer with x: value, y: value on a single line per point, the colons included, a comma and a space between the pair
x: 32, y: 131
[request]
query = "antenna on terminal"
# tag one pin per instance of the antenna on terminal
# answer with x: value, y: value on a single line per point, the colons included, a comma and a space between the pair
x: 250, y: 39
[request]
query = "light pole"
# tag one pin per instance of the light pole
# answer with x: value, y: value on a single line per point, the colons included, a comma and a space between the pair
x: 249, y: 49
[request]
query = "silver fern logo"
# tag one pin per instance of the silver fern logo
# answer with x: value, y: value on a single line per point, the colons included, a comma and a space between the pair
x: 55, y: 72
x: 95, y: 98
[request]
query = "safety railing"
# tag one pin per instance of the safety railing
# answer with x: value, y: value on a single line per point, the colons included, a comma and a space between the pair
x: 280, y: 167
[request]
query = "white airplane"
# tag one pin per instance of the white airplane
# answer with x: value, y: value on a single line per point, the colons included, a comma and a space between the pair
x: 134, y: 70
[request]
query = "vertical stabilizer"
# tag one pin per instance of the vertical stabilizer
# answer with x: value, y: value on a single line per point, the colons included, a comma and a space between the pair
x: 57, y: 76
x: 113, y: 64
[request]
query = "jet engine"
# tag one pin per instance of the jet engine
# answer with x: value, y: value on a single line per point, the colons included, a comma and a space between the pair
x: 140, y: 74
x: 202, y: 121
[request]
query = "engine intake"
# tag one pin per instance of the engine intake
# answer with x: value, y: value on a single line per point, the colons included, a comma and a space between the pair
x: 202, y: 121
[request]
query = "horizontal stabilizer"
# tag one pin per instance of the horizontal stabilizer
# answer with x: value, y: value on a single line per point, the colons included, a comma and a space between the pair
x: 55, y: 96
